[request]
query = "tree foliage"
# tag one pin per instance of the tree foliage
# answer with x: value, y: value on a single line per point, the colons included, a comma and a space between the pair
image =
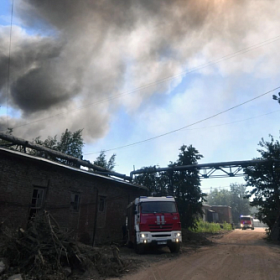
x: 102, y: 161
x: 183, y: 185
x: 156, y: 182
x: 265, y: 180
x: 70, y: 143
x: 218, y: 197
x: 235, y: 198
x: 186, y: 186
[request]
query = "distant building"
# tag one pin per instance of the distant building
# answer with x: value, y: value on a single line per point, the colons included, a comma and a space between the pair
x: 91, y: 205
x: 217, y: 213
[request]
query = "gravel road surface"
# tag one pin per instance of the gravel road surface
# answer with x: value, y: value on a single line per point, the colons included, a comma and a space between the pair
x: 237, y: 255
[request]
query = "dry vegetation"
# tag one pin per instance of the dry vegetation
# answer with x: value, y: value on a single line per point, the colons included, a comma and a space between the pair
x: 44, y: 251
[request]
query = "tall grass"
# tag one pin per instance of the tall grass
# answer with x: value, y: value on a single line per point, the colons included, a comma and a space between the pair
x: 211, y: 227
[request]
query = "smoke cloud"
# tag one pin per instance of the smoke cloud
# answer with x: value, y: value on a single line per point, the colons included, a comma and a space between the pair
x: 71, y: 59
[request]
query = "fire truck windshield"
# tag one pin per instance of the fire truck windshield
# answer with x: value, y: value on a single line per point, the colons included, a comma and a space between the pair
x: 158, y: 207
x: 245, y: 219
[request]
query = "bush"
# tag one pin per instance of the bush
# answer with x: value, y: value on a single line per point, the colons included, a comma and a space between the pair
x: 227, y: 226
x: 206, y: 227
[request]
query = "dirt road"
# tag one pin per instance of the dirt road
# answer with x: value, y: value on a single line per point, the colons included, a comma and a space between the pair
x: 237, y: 255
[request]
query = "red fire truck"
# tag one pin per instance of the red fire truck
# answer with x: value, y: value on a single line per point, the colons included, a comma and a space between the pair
x: 246, y: 222
x: 154, y: 221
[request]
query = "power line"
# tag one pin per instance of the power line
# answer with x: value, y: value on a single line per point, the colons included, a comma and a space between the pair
x: 213, y: 62
x: 9, y: 59
x: 217, y: 125
x: 189, y: 125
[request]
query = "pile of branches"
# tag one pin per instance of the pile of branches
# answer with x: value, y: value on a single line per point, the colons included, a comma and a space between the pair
x: 43, y: 249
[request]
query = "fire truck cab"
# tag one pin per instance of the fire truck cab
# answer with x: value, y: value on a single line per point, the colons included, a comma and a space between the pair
x: 246, y: 222
x: 154, y: 221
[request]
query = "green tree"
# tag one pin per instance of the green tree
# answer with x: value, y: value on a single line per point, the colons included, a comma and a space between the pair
x: 50, y: 142
x: 186, y: 186
x: 219, y: 197
x: 265, y: 180
x: 102, y: 161
x: 157, y: 183
x: 235, y: 198
x: 183, y: 185
x: 70, y: 143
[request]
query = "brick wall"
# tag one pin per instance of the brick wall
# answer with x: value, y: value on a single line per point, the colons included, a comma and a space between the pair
x: 20, y: 174
x: 224, y: 213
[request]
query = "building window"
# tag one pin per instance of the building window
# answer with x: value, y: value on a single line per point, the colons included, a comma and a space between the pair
x: 75, y: 201
x: 37, y: 201
x: 101, y: 203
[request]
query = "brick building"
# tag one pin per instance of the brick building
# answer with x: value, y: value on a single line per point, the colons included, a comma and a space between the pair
x: 93, y: 206
x: 217, y: 213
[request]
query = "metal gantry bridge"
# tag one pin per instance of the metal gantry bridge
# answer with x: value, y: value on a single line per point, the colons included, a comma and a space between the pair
x: 209, y: 170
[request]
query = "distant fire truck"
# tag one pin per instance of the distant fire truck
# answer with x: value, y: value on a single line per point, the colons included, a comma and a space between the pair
x: 154, y: 221
x: 246, y: 222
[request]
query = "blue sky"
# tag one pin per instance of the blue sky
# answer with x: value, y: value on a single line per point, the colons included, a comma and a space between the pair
x: 5, y: 12
x: 106, y: 70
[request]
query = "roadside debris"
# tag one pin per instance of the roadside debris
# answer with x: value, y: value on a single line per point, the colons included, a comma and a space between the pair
x: 15, y: 277
x: 45, y: 251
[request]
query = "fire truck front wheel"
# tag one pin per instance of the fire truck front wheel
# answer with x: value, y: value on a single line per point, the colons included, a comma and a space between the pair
x: 174, y: 248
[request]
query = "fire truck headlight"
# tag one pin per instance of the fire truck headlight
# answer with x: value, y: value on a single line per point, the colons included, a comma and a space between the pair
x: 178, y: 234
x: 144, y: 235
x: 145, y: 241
x: 177, y: 240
